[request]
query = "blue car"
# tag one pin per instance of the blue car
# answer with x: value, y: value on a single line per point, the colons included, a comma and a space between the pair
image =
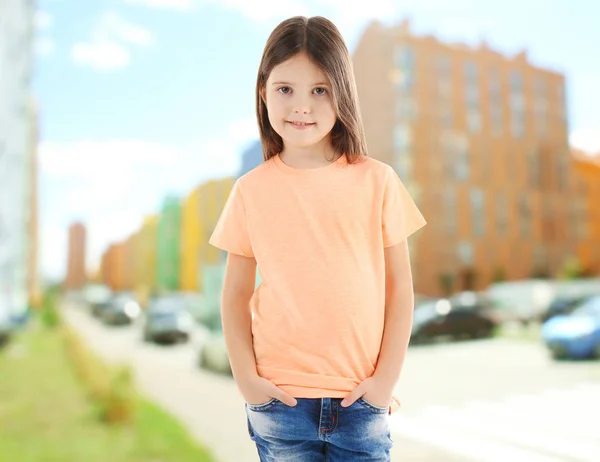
x: 575, y: 335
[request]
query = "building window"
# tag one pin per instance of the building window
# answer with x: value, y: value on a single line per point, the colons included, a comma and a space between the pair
x: 473, y: 121
x: 533, y: 167
x: 502, y: 213
x: 402, y: 151
x: 465, y: 253
x: 478, y: 213
x: 455, y: 148
x: 517, y: 104
x: 450, y: 210
x: 405, y: 62
x: 495, y: 92
x: 406, y: 109
x: 540, y: 105
x: 524, y: 207
x: 561, y: 101
x: 471, y: 85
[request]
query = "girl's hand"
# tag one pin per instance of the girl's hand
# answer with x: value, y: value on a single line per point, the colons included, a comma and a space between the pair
x: 373, y: 391
x: 258, y: 390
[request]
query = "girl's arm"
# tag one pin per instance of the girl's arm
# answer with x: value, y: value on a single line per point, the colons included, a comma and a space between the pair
x: 399, y: 306
x: 238, y: 287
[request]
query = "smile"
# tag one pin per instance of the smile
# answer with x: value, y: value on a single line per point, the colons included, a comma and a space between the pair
x: 300, y: 124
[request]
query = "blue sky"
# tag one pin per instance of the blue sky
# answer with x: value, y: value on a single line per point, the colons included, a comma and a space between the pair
x: 140, y: 98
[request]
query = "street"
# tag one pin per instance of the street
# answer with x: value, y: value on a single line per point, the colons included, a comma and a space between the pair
x: 486, y: 401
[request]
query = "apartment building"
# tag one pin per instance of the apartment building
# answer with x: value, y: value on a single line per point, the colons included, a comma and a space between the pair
x: 480, y: 139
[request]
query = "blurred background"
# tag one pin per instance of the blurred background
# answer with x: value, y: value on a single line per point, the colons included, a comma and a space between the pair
x: 123, y: 127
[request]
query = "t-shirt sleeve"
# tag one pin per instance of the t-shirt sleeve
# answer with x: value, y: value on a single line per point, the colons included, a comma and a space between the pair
x: 400, y: 217
x: 231, y: 232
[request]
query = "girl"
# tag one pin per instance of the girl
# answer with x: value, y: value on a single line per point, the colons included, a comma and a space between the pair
x: 317, y: 348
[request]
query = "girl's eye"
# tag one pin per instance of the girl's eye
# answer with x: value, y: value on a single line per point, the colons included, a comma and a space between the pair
x: 320, y: 91
x: 284, y: 90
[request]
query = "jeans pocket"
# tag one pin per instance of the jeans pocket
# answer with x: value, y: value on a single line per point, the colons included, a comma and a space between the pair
x: 372, y: 407
x: 261, y: 407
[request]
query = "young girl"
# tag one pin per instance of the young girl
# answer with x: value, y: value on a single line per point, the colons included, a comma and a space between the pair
x: 327, y: 227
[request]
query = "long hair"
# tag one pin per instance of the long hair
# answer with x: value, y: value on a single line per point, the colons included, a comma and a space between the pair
x: 321, y: 40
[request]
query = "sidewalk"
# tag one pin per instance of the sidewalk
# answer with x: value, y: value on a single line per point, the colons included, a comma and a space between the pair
x: 209, y: 405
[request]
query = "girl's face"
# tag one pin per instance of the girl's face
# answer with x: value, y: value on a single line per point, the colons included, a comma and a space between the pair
x: 299, y: 102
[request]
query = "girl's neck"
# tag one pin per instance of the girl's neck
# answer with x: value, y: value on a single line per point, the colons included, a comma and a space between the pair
x: 309, y: 156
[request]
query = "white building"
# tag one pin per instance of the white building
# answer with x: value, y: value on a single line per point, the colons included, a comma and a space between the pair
x: 16, y: 63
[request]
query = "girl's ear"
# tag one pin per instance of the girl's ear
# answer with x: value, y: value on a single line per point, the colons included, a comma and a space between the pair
x: 263, y: 95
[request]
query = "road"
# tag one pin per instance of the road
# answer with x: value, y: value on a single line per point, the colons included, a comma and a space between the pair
x: 482, y: 401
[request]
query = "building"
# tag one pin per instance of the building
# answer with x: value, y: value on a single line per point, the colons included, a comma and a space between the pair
x: 480, y: 141
x: 191, y: 237
x: 34, y: 289
x: 168, y: 245
x: 147, y: 247
x: 16, y: 62
x: 76, y: 276
x: 112, y: 267
x: 587, y: 169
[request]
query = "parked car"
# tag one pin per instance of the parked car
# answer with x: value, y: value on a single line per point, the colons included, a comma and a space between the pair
x: 575, y: 335
x: 122, y: 309
x: 168, y: 319
x: 466, y: 315
x: 564, y: 305
x: 6, y: 324
x: 97, y: 298
x: 213, y: 354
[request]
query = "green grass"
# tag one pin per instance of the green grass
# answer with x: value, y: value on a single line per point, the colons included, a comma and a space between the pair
x: 45, y: 415
x: 527, y: 333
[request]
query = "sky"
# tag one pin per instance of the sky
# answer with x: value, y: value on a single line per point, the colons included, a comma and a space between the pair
x: 139, y: 99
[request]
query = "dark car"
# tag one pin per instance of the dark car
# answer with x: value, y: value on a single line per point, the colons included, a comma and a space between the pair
x: 168, y: 319
x: 122, y: 309
x: 97, y: 298
x: 564, y: 305
x: 463, y: 316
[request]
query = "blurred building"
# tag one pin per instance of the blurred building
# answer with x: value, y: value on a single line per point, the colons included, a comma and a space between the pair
x: 252, y: 157
x: 16, y: 62
x: 480, y: 141
x: 129, y: 280
x: 33, y: 275
x: 76, y: 276
x: 112, y: 267
x: 191, y: 236
x: 168, y: 245
x: 201, y: 211
x: 213, y: 196
x: 147, y: 246
x: 587, y: 167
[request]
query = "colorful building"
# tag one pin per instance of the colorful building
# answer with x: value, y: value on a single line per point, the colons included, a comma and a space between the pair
x: 76, y: 276
x: 113, y: 267
x: 147, y: 247
x: 587, y: 167
x: 168, y: 245
x: 191, y: 238
x: 213, y: 196
x: 480, y: 141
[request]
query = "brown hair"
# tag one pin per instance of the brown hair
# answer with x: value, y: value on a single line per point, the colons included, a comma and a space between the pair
x: 321, y: 40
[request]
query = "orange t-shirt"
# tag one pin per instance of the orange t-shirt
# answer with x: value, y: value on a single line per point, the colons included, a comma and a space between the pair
x: 318, y: 237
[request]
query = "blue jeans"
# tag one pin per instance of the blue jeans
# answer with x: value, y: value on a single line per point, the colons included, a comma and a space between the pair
x: 319, y: 430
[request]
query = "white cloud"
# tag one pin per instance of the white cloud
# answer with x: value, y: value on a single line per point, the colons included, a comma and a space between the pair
x: 44, y: 46
x: 101, y: 54
x: 111, y: 185
x: 586, y: 139
x: 112, y: 24
x: 182, y: 5
x: 43, y: 20
x: 108, y: 48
